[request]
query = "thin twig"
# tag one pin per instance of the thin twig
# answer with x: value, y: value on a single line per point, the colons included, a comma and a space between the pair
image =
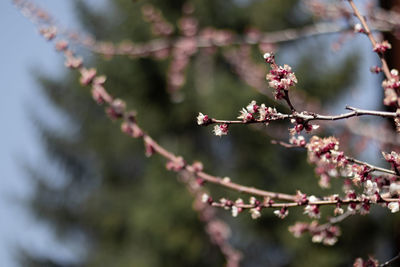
x: 310, y: 116
x: 386, y: 263
x: 317, y: 203
x: 287, y: 99
x: 368, y: 32
x: 372, y: 168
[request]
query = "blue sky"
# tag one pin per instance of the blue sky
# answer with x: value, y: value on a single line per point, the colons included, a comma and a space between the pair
x: 23, y: 50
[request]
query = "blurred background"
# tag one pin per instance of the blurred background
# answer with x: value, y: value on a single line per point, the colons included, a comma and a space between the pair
x: 75, y: 191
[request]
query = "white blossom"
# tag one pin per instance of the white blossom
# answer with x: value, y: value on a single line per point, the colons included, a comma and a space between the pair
x: 330, y: 241
x: 201, y: 118
x: 204, y: 198
x: 282, y: 213
x: 226, y: 180
x: 394, y: 206
x: 370, y: 187
x: 245, y: 115
x: 358, y: 28
x: 267, y: 55
x: 252, y: 106
x: 220, y: 130
x: 312, y: 211
x: 317, y: 238
x: 312, y: 198
x: 255, y: 213
x: 235, y: 211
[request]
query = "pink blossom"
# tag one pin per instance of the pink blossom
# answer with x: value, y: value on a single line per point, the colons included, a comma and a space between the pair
x: 235, y: 209
x: 202, y: 119
x: 197, y: 166
x: 298, y: 141
x: 282, y: 213
x: 132, y: 130
x: 394, y: 207
x: 87, y: 75
x: 252, y: 107
x: 375, y: 69
x: 116, y: 109
x: 358, y: 28
x: 221, y: 129
x: 73, y: 62
x: 176, y: 164
x: 281, y: 78
x: 48, y: 33
x: 255, y: 213
x: 61, y: 45
x: 245, y: 116
x: 382, y: 47
x: 298, y: 229
x: 269, y: 58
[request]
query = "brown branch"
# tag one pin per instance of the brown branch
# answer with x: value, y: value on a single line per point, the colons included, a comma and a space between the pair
x: 287, y: 99
x: 386, y: 263
x: 368, y: 32
x: 156, y: 45
x: 214, y: 179
x: 284, y: 144
x: 317, y: 203
x: 340, y: 218
x: 310, y: 116
x: 217, y: 230
x: 372, y: 168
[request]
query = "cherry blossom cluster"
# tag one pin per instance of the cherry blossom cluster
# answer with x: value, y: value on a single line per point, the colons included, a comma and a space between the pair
x: 325, y: 154
x: 382, y: 47
x: 312, y: 210
x: 253, y: 112
x: 390, y: 87
x: 238, y: 206
x: 326, y: 234
x: 331, y: 162
x: 280, y: 78
x: 298, y: 141
x: 394, y: 159
x: 301, y: 124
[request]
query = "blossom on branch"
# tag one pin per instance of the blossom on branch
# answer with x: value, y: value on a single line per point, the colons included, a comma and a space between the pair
x: 281, y: 79
x: 245, y: 115
x: 382, y: 47
x: 48, y: 33
x: 221, y: 129
x: 255, y: 213
x: 394, y: 207
x: 282, y: 213
x: 87, y: 75
x: 202, y: 119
